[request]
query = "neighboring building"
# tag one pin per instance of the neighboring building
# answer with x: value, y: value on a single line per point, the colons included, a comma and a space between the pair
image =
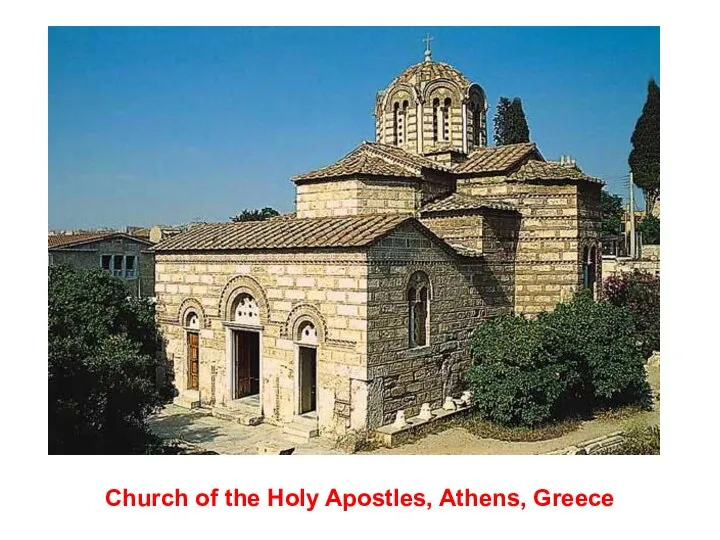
x: 125, y: 256
x: 362, y: 304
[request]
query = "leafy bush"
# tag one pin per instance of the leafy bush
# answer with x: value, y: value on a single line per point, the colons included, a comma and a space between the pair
x: 564, y: 363
x: 100, y: 364
x: 639, y: 293
x: 515, y: 380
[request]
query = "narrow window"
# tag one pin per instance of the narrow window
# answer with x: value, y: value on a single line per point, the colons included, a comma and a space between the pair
x: 592, y: 269
x: 585, y: 267
x: 130, y: 270
x: 436, y: 106
x: 118, y: 265
x: 418, y: 307
x: 402, y: 122
x: 105, y: 262
x: 446, y: 119
x: 396, y: 109
x: 476, y: 124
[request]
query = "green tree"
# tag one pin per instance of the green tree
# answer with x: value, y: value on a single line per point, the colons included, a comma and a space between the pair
x: 650, y: 229
x: 644, y: 158
x: 101, y: 367
x: 510, y: 124
x: 255, y: 215
x: 613, y: 213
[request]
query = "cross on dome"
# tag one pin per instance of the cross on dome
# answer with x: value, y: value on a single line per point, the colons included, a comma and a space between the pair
x: 428, y: 53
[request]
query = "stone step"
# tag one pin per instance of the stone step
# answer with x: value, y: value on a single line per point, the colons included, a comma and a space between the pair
x: 303, y: 432
x: 246, y: 417
x: 188, y: 400
x: 309, y: 421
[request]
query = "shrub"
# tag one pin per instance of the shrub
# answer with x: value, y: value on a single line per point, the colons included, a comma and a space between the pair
x: 564, y: 363
x: 597, y: 340
x: 515, y: 380
x: 639, y: 293
x: 101, y: 346
x: 640, y: 441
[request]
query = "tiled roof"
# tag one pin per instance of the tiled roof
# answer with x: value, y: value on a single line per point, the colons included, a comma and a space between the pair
x: 428, y: 71
x: 63, y: 241
x: 374, y: 159
x: 327, y: 232
x: 546, y: 170
x: 496, y: 159
x: 458, y: 202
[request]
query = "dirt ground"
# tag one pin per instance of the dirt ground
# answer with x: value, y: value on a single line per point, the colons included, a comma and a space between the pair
x: 461, y: 441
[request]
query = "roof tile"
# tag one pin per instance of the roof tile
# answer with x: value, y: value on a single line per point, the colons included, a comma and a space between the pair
x: 328, y: 232
x: 496, y: 159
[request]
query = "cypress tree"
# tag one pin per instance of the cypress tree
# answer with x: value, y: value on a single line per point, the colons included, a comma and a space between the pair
x: 644, y: 158
x: 510, y: 124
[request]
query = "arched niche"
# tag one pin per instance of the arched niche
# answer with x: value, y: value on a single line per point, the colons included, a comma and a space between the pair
x: 243, y: 297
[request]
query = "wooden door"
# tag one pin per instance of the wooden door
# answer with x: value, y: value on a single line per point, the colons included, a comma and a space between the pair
x: 308, y: 379
x: 193, y: 348
x: 247, y: 363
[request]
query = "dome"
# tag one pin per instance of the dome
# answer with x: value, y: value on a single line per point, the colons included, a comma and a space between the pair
x: 432, y: 108
x: 428, y: 71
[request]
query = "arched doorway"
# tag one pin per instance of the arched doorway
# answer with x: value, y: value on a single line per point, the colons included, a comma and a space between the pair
x: 192, y: 331
x: 244, y: 347
x: 306, y: 340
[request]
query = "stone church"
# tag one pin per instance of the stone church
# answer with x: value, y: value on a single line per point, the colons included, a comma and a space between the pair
x: 361, y: 304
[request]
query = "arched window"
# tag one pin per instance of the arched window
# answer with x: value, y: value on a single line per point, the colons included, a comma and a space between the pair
x: 396, y: 113
x: 418, y: 297
x: 246, y: 310
x: 436, y: 106
x: 446, y: 119
x: 192, y: 320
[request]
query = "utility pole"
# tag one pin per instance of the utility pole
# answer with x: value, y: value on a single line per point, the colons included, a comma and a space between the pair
x: 632, y: 219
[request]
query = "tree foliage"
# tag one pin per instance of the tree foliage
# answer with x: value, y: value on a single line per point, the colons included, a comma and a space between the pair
x: 650, y: 229
x: 255, y: 215
x: 639, y: 294
x: 101, y: 368
x: 613, y: 213
x: 644, y: 158
x: 568, y: 362
x: 510, y: 124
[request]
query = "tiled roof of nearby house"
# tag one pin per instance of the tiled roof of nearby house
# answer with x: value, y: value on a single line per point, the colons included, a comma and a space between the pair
x: 374, y: 159
x: 63, y: 241
x: 496, y: 159
x: 327, y: 232
x: 458, y: 202
x: 547, y: 170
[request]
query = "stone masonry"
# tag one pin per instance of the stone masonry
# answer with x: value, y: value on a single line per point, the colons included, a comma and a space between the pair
x: 364, y: 301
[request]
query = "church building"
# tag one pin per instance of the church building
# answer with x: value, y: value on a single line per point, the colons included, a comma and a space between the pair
x: 361, y: 303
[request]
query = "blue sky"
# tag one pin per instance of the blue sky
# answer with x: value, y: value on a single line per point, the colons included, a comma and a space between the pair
x: 166, y: 125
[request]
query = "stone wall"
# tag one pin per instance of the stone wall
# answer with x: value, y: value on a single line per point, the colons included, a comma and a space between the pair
x: 612, y: 265
x: 88, y: 257
x: 548, y: 266
x: 464, y: 292
x: 359, y: 196
x: 330, y: 288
